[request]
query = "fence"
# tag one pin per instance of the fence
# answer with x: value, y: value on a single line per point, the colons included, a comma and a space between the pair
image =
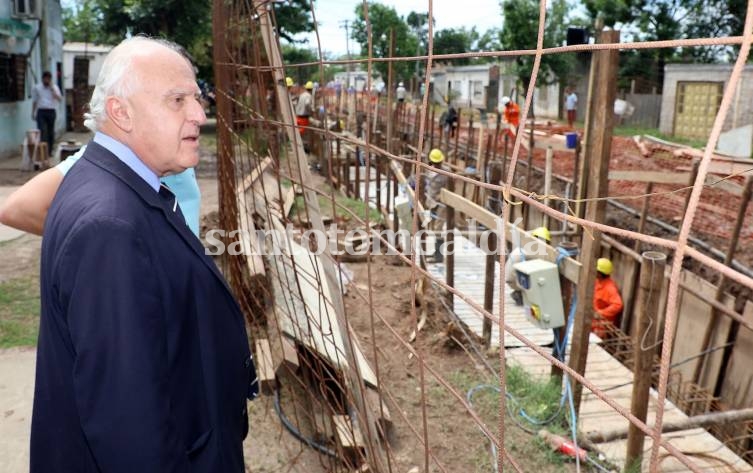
x: 364, y: 362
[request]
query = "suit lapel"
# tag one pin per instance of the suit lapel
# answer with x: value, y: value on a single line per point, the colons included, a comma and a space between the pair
x: 103, y: 158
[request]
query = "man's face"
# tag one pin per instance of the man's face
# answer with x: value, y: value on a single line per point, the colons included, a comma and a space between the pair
x: 166, y: 113
x: 46, y: 80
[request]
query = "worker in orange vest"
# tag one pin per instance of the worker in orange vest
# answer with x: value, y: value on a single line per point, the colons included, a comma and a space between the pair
x: 511, y: 113
x: 607, y: 301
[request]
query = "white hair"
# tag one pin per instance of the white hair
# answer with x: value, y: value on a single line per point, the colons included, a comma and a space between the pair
x: 116, y: 77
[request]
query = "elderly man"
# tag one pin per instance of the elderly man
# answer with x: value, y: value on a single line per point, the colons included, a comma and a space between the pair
x: 143, y: 361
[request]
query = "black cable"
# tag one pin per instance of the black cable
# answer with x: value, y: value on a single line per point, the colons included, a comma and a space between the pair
x: 296, y: 433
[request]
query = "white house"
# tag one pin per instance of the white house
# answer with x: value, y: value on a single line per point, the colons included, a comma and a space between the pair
x: 81, y: 65
x: 82, y: 62
x: 358, y: 79
x: 468, y: 87
x: 25, y: 53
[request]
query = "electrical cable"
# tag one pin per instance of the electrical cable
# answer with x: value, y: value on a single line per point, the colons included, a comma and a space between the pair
x: 295, y: 432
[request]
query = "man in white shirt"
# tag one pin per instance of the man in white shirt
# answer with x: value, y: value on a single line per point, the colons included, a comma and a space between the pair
x: 46, y: 98
x: 571, y: 105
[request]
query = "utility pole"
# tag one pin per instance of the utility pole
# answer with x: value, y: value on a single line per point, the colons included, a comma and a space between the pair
x: 345, y: 24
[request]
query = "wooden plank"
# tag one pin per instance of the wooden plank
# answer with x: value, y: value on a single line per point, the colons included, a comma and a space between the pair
x: 569, y: 267
x: 289, y: 363
x: 657, y: 177
x: 470, y: 262
x: 380, y: 410
x: 349, y: 438
x: 264, y: 366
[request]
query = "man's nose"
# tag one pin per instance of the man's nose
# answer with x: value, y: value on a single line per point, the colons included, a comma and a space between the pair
x: 196, y: 113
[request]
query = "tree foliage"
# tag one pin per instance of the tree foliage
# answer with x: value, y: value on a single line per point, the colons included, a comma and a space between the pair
x: 292, y: 55
x: 520, y: 32
x: 383, y: 19
x: 456, y: 41
x: 293, y: 17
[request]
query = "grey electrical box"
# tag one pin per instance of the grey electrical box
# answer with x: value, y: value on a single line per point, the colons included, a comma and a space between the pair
x: 539, y: 281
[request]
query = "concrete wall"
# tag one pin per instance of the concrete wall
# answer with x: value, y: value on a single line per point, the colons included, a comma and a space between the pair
x: 96, y: 55
x: 741, y: 112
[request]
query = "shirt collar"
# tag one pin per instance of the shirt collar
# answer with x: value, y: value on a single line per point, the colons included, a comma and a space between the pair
x: 129, y: 158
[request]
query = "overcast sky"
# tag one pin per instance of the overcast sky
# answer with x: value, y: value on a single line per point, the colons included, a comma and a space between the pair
x: 483, y: 14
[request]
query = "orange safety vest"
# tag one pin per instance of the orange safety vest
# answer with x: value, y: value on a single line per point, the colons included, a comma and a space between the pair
x: 607, y: 305
x: 512, y: 114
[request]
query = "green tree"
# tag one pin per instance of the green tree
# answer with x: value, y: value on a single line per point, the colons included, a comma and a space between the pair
x: 383, y: 19
x: 292, y: 55
x: 521, y: 32
x: 81, y: 22
x: 456, y: 41
x: 293, y: 17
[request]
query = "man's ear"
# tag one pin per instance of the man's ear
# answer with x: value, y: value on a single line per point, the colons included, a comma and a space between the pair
x: 119, y: 113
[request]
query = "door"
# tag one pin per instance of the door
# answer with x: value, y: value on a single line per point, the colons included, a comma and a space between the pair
x: 696, y: 105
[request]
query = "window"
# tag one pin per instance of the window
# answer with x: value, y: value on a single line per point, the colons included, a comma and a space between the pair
x: 478, y: 89
x: 12, y: 77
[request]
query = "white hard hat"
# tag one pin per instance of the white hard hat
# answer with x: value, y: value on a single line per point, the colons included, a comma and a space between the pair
x: 399, y: 84
x: 505, y: 100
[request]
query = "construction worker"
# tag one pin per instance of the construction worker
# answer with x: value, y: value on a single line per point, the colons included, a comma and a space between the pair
x: 511, y: 114
x: 607, y: 301
x: 517, y: 255
x: 431, y: 187
x: 304, y: 107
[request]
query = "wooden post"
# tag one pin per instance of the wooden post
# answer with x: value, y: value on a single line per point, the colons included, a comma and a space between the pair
x: 450, y: 238
x: 489, y: 284
x: 390, y: 90
x: 547, y: 182
x: 457, y: 136
x: 346, y: 175
x: 649, y: 298
x: 395, y: 219
x: 598, y: 148
x: 357, y: 188
x: 691, y: 180
x: 378, y: 167
x: 644, y: 214
x: 744, y: 200
x: 431, y: 127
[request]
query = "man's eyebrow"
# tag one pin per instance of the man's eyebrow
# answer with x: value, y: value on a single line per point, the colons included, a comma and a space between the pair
x: 174, y: 92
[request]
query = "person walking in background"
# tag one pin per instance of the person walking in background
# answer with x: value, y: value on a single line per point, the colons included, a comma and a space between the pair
x: 401, y: 93
x: 571, y: 105
x: 451, y: 121
x: 45, y: 99
x: 143, y: 361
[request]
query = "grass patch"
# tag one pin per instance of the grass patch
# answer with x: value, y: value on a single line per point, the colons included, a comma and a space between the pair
x: 19, y: 312
x: 358, y: 207
x: 628, y: 130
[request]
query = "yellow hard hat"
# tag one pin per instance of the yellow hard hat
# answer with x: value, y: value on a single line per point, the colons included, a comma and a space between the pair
x: 289, y: 81
x: 436, y: 156
x: 542, y: 232
x: 604, y: 266
x: 309, y: 85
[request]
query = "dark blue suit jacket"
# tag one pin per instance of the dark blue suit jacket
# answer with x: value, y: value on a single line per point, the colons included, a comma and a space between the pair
x: 143, y: 362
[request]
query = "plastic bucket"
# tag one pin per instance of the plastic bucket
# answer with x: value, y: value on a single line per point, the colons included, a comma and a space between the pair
x: 571, y: 140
